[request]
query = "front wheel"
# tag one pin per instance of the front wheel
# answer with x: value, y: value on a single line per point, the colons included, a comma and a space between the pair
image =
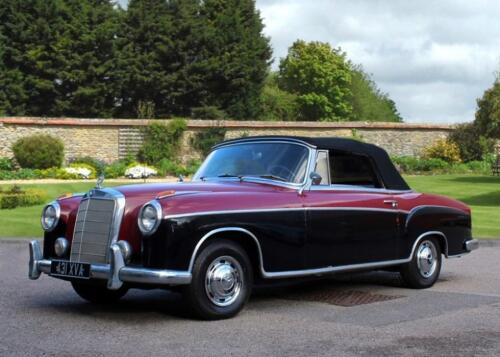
x: 424, y: 268
x: 97, y: 292
x: 222, y: 281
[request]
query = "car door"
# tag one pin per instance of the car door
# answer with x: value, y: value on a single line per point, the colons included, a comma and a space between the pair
x: 350, y: 219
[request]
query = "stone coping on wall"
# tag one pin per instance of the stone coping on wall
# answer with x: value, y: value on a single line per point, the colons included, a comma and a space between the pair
x: 230, y: 124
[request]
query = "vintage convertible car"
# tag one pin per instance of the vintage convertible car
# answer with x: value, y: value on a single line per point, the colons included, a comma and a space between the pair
x: 258, y: 209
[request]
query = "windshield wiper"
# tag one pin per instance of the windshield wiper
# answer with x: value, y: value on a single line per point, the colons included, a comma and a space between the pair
x: 273, y: 177
x: 228, y: 175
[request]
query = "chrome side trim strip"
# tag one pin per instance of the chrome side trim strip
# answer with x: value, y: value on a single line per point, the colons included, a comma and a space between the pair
x: 227, y: 229
x: 339, y: 187
x: 316, y: 271
x: 263, y: 210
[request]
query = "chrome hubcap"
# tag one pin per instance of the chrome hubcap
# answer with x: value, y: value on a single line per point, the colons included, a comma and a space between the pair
x: 223, y: 281
x: 427, y: 259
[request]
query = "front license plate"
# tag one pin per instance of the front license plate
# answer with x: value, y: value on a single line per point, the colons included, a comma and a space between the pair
x: 70, y: 269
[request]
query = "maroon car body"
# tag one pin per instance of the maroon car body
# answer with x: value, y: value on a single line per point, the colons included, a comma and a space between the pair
x: 297, y: 207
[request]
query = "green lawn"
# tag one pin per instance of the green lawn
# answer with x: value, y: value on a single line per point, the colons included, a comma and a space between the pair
x: 25, y: 221
x: 481, y: 193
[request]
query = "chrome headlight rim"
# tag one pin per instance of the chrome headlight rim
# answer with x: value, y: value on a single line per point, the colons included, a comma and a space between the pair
x: 158, y: 212
x: 57, y: 209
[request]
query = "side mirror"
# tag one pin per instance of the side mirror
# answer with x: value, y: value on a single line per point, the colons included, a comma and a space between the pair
x: 315, y: 178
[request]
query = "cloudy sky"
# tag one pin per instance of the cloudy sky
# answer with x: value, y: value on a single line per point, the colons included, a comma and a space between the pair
x: 433, y: 57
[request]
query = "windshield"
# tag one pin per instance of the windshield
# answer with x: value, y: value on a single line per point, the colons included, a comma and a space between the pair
x: 275, y: 161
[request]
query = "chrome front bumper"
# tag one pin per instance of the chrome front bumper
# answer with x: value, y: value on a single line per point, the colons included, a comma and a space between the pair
x: 116, y: 273
x: 471, y: 245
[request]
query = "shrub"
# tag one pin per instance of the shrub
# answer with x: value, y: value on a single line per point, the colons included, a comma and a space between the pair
x: 16, y: 197
x: 98, y: 165
x: 22, y: 174
x: 76, y: 171
x: 161, y: 141
x: 6, y: 164
x: 443, y: 149
x: 205, y: 139
x: 277, y: 104
x: 116, y: 169
x: 39, y: 151
x: 208, y: 112
x: 413, y: 165
x: 167, y: 167
x: 137, y: 170
x: 472, y: 145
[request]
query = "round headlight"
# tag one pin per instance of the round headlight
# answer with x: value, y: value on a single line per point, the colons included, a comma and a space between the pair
x: 50, y: 216
x: 149, y: 217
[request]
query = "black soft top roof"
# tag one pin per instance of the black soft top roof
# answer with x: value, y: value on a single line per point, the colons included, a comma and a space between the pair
x: 391, y: 177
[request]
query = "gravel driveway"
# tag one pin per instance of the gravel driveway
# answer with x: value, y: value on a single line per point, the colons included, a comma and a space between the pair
x: 364, y: 314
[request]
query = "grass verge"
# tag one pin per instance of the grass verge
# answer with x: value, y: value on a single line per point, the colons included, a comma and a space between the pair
x: 481, y: 193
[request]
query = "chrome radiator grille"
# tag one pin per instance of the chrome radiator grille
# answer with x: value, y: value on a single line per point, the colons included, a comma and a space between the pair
x: 94, y: 230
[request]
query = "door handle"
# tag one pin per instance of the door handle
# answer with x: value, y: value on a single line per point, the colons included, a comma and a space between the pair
x: 393, y: 203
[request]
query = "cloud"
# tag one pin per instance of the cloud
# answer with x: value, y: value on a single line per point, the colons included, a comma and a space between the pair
x: 433, y: 57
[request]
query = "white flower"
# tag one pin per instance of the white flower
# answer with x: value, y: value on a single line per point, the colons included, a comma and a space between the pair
x: 83, y: 172
x: 140, y: 171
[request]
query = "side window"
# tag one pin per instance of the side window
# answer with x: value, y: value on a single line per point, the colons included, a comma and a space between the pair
x: 322, y: 167
x: 352, y: 169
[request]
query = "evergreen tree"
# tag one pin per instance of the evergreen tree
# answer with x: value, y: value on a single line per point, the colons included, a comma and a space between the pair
x: 86, y: 81
x: 57, y: 57
x: 237, y: 56
x: 368, y: 102
x: 29, y: 29
x: 145, y: 45
x: 184, y: 62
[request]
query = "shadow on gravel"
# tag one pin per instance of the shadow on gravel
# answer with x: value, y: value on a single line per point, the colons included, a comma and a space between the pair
x: 330, y: 289
x: 136, y: 306
x: 145, y: 306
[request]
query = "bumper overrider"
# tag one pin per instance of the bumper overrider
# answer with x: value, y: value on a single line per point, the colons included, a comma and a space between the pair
x: 116, y: 272
x: 471, y: 245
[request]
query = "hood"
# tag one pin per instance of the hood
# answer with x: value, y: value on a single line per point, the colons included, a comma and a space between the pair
x: 150, y: 191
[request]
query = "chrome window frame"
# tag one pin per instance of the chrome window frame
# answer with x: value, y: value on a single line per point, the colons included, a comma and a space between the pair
x: 340, y: 187
x: 329, y: 178
x: 297, y: 186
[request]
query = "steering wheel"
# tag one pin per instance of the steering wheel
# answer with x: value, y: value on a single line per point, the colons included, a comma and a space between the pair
x: 281, y: 171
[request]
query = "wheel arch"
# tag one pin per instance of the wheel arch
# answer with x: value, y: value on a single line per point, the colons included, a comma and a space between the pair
x: 440, y: 237
x: 246, y: 239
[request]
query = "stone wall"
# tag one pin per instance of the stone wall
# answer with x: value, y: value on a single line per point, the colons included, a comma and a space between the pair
x: 111, y: 139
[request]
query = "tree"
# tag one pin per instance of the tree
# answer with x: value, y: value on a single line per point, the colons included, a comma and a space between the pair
x: 236, y: 56
x: 276, y: 103
x: 29, y: 29
x: 472, y: 145
x: 145, y: 43
x: 320, y: 76
x: 86, y: 83
x: 368, y: 102
x: 58, y: 56
x: 488, y: 111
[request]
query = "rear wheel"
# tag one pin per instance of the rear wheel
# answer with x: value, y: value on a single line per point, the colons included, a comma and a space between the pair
x: 222, y: 281
x: 424, y: 268
x: 97, y: 292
